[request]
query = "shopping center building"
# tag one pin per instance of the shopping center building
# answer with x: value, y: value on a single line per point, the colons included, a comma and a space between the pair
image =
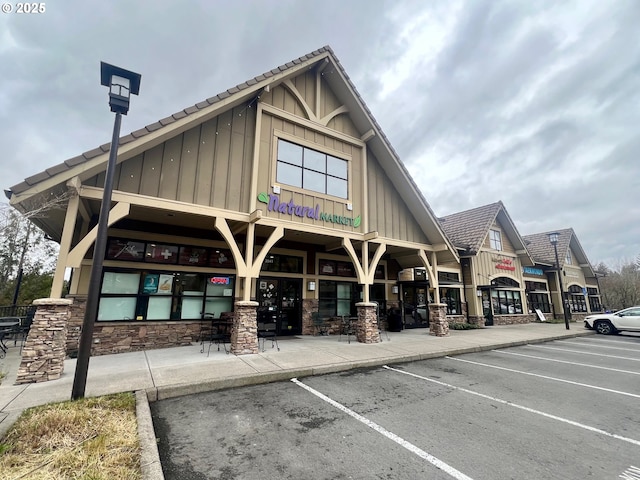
x: 279, y: 198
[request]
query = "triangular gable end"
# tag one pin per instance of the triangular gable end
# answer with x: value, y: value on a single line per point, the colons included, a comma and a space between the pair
x: 340, y: 108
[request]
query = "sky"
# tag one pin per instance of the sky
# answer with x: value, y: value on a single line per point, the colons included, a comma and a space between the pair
x: 534, y: 103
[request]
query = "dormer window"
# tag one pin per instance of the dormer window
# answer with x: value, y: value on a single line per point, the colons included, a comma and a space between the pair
x: 495, y: 239
x: 309, y: 169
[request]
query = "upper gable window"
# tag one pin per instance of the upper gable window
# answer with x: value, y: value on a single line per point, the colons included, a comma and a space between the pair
x: 495, y: 239
x: 568, y: 259
x: 309, y: 169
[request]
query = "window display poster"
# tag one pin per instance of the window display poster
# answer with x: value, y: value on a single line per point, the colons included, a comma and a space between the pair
x: 165, y: 284
x: 151, y: 283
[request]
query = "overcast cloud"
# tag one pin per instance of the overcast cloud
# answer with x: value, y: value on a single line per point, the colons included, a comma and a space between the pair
x: 536, y: 104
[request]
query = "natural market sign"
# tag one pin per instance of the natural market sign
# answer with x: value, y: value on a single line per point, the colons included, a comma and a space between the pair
x: 274, y: 204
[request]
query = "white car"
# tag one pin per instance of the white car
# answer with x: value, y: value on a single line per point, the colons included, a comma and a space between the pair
x: 627, y: 320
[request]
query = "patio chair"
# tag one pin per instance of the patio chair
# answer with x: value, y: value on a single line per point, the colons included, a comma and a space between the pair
x: 319, y: 326
x: 348, y: 327
x: 267, y: 330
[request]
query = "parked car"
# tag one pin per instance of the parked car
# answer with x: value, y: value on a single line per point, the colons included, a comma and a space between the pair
x: 627, y: 320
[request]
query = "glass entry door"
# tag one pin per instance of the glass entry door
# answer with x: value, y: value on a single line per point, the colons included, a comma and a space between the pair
x: 280, y: 300
x: 415, y: 307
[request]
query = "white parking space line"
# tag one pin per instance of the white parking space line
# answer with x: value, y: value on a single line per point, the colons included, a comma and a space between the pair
x: 593, y: 345
x: 620, y: 341
x: 567, y: 362
x: 586, y: 353
x: 521, y: 407
x: 390, y: 435
x: 546, y: 377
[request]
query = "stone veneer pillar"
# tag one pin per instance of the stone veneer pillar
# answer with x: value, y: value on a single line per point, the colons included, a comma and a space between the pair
x: 45, y: 348
x: 438, y: 323
x: 244, y: 334
x: 367, y: 327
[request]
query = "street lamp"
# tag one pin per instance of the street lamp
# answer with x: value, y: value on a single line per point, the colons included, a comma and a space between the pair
x: 122, y: 83
x: 553, y: 238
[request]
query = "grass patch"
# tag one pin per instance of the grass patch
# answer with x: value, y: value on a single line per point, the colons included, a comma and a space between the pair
x: 92, y: 439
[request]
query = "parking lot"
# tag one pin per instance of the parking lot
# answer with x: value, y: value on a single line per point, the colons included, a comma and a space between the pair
x: 564, y: 409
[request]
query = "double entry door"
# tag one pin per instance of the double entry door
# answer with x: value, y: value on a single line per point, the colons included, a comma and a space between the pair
x: 280, y: 301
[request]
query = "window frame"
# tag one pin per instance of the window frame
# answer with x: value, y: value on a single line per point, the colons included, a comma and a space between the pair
x: 495, y: 239
x: 328, y: 156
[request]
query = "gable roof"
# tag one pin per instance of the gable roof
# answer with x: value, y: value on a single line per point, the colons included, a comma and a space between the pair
x: 94, y: 161
x: 468, y: 229
x: 543, y: 252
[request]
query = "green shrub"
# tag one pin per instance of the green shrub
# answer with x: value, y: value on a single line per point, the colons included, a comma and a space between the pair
x: 463, y: 326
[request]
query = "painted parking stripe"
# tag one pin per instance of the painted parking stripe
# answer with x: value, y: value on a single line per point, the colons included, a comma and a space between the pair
x: 591, y: 345
x: 567, y: 362
x: 390, y: 435
x: 546, y: 377
x: 586, y: 353
x: 521, y: 407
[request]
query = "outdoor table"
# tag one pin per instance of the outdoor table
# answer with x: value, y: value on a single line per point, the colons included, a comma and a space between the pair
x: 7, y: 326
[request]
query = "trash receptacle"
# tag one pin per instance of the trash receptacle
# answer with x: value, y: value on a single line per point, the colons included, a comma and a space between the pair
x: 394, y: 319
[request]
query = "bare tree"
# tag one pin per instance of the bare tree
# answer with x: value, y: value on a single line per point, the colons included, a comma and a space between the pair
x: 25, y: 256
x: 620, y: 287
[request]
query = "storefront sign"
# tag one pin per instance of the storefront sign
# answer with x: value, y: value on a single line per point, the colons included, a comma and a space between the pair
x: 274, y: 204
x: 504, y: 264
x: 532, y: 271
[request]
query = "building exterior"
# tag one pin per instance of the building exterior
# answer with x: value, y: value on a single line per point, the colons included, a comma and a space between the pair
x: 278, y: 199
x: 579, y: 282
x: 493, y: 259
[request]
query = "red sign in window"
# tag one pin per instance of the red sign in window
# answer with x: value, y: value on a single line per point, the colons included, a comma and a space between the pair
x: 219, y: 280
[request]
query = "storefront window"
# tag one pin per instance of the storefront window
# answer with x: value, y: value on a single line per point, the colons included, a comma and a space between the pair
x: 144, y: 295
x: 282, y: 263
x: 151, y: 252
x: 576, y: 299
x: 539, y: 301
x: 451, y: 297
x: 506, y: 302
x: 337, y: 298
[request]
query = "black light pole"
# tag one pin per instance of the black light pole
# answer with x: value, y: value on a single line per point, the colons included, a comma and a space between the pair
x: 122, y: 83
x: 553, y: 238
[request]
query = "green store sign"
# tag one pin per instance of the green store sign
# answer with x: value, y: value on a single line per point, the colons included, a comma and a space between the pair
x: 274, y: 204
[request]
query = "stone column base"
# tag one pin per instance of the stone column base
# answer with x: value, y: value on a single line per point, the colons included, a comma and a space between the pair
x: 438, y: 323
x: 244, y: 334
x: 367, y: 327
x: 45, y: 347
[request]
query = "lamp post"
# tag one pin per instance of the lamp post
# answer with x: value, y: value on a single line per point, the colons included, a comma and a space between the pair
x: 122, y: 83
x: 553, y: 238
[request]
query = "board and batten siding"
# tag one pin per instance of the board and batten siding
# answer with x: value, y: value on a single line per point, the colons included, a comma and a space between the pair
x: 388, y: 214
x: 209, y: 164
x: 485, y: 265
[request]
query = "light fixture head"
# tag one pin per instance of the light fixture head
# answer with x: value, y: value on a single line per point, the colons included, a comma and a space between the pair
x: 122, y: 84
x: 553, y: 238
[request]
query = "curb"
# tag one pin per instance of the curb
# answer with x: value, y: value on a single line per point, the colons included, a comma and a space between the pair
x: 149, y: 457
